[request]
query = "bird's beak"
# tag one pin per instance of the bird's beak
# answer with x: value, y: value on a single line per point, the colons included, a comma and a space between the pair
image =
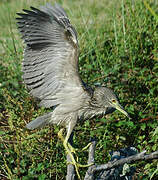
x: 121, y: 109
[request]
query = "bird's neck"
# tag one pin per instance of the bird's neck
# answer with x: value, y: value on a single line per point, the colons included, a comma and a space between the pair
x: 90, y: 111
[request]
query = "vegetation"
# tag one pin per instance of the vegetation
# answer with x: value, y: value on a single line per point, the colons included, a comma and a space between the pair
x: 118, y: 48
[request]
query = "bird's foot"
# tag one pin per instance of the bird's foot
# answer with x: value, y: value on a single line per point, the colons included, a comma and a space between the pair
x: 77, y: 165
x: 86, y: 147
x: 80, y: 165
x: 74, y: 150
x: 73, y: 161
x: 70, y: 150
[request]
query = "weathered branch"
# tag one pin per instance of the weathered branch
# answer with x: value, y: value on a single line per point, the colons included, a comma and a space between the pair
x: 121, y: 172
x: 90, y: 161
x: 117, y: 163
x: 118, y: 159
x: 70, y: 168
x: 130, y: 159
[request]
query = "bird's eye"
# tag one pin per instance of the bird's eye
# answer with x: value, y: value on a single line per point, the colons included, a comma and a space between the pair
x: 113, y: 101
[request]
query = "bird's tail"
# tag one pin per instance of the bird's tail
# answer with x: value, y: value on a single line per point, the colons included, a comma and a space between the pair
x: 39, y: 122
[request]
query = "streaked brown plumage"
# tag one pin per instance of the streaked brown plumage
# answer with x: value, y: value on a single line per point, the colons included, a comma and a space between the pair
x: 50, y: 72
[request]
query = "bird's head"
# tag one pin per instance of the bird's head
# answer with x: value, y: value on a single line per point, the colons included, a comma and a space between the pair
x: 105, y: 98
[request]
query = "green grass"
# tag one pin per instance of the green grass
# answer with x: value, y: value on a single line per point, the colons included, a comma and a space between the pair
x: 118, y: 48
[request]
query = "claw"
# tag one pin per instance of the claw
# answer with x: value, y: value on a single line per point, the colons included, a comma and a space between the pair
x: 70, y: 150
x: 86, y: 147
x: 81, y: 165
x: 73, y: 150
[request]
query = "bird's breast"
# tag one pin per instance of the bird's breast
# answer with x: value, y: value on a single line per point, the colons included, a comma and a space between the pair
x: 89, y: 113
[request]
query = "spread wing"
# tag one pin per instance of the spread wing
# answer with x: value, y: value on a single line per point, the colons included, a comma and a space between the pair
x: 50, y: 65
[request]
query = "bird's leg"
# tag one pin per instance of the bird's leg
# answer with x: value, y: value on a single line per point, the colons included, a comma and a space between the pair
x: 69, y: 149
x: 72, y: 149
x: 65, y: 144
x: 60, y: 135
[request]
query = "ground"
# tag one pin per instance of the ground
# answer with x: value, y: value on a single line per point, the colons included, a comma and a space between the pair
x: 118, y: 48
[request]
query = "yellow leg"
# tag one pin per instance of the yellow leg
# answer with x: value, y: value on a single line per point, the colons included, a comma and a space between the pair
x: 76, y: 149
x: 86, y: 147
x: 69, y: 149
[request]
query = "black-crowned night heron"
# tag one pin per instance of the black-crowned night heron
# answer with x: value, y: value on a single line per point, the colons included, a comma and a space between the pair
x: 50, y: 72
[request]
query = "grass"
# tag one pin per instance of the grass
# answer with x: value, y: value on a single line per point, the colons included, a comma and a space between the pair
x: 118, y: 48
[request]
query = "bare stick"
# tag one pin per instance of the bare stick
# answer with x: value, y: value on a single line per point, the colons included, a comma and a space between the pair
x: 130, y: 159
x: 110, y: 165
x: 90, y: 161
x: 70, y: 167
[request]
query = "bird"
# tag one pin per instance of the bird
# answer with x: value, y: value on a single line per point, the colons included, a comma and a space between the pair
x: 51, y: 74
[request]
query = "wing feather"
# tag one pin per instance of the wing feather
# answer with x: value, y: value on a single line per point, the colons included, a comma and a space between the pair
x: 50, y: 65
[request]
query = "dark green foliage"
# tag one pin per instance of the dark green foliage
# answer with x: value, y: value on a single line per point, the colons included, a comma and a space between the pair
x: 118, y: 48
